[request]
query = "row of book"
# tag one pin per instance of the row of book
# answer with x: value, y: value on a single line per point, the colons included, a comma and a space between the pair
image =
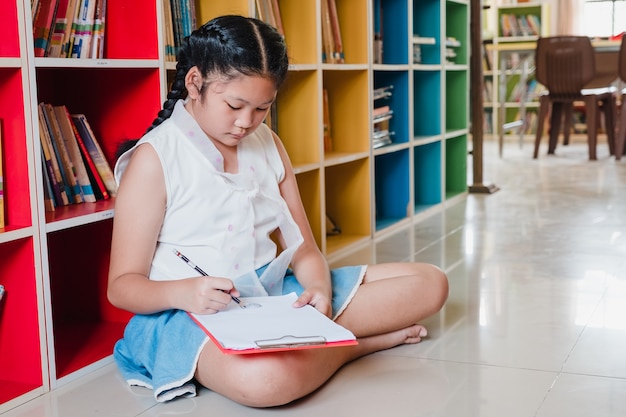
x: 520, y: 25
x: 75, y: 167
x: 180, y: 21
x: 69, y: 28
x: 332, y: 44
x: 269, y: 12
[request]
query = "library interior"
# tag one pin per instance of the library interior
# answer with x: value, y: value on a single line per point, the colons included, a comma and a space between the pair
x: 484, y: 137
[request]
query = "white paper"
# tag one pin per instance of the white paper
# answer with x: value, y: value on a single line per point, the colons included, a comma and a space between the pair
x: 266, y: 322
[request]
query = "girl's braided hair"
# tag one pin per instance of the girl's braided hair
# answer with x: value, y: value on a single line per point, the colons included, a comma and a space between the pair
x: 225, y: 47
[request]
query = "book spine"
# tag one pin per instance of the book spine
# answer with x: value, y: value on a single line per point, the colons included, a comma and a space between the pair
x: 92, y: 170
x: 102, y: 165
x: 65, y: 163
x: 65, y: 124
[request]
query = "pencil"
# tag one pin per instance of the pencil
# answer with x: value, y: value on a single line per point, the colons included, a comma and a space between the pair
x: 200, y: 271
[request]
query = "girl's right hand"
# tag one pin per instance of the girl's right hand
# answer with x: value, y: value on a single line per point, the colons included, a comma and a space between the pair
x: 207, y: 295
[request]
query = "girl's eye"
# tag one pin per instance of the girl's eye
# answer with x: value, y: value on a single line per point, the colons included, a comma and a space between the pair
x: 262, y: 110
x: 233, y: 107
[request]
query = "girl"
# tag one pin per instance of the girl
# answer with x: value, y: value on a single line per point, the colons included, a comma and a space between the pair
x: 213, y: 181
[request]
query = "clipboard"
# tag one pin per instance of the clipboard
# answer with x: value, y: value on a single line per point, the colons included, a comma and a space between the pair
x: 271, y: 324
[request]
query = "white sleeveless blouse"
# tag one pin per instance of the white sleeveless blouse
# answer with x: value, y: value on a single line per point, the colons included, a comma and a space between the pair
x: 220, y: 221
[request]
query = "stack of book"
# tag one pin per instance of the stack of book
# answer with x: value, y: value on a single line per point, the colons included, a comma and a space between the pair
x: 69, y: 28
x: 381, y: 116
x: 180, y: 21
x: 75, y: 167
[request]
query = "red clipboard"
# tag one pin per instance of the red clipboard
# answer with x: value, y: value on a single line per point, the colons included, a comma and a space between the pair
x: 271, y: 324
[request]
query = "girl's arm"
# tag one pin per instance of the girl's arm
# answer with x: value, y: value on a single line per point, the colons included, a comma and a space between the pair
x: 309, y: 264
x: 139, y: 211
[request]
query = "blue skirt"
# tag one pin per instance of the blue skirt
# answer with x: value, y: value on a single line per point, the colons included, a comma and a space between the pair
x: 160, y: 351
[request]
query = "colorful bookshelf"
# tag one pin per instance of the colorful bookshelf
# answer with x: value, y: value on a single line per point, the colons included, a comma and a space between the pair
x: 56, y: 324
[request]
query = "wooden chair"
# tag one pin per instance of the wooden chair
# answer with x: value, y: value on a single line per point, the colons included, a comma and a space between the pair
x: 621, y: 70
x: 564, y: 65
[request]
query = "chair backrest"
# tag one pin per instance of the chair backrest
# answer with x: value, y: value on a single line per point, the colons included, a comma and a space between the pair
x: 622, y: 60
x: 564, y: 64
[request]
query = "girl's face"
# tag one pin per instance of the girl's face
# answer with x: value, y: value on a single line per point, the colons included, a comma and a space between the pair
x: 229, y: 111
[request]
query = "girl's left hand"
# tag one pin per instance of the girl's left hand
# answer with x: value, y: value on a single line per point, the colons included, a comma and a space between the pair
x: 316, y: 297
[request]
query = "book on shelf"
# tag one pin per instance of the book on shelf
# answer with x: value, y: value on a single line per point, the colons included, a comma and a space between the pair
x: 512, y: 24
x: 332, y: 51
x: 51, y: 162
x: 99, y: 189
x: 99, y: 22
x: 95, y: 151
x: 64, y: 120
x: 180, y: 21
x: 382, y: 92
x: 269, y: 12
x: 48, y: 200
x: 1, y: 180
x: 328, y: 141
x: 43, y: 21
x: 60, y: 24
x: 60, y: 149
x: 381, y: 138
x: 377, y: 47
x: 84, y: 29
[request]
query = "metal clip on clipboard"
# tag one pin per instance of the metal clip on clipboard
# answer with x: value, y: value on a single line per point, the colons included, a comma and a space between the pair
x: 290, y: 342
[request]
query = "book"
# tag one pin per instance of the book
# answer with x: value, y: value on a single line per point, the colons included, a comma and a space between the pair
x: 65, y: 163
x: 269, y: 324
x: 58, y: 30
x: 328, y: 42
x: 96, y: 153
x: 97, y: 41
x: 338, y: 56
x: 74, y: 29
x: 328, y: 140
x: 54, y: 175
x: 43, y: 23
x: 1, y: 181
x: 48, y: 199
x: 99, y: 189
x: 64, y: 120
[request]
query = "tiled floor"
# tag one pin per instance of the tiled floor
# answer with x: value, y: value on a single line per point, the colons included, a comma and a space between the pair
x: 535, y: 324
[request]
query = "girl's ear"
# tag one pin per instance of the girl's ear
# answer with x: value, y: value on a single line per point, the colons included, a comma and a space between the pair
x: 193, y: 82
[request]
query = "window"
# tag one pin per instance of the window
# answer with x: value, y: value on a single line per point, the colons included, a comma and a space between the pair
x: 604, y: 18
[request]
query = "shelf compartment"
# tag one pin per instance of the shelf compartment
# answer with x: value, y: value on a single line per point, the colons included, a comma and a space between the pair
x: 427, y: 103
x: 20, y: 351
x: 457, y: 112
x: 309, y: 184
x: 119, y: 103
x: 85, y: 324
x: 427, y: 171
x: 9, y: 32
x: 354, y: 27
x: 17, y: 195
x: 348, y: 203
x: 398, y: 102
x: 299, y: 129
x: 208, y: 9
x: 427, y: 24
x: 391, y: 188
x: 349, y: 104
x: 300, y: 30
x: 132, y: 34
x: 456, y: 166
x: 456, y: 27
x: 390, y: 16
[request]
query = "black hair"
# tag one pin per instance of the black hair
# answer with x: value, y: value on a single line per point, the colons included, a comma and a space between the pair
x: 225, y: 47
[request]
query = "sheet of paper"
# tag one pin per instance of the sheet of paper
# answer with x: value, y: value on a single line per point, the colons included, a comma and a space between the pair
x: 271, y: 322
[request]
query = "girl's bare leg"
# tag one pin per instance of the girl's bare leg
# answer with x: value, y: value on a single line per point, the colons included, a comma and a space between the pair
x: 382, y: 314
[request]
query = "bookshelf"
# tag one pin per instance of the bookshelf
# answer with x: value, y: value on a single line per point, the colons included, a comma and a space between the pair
x: 510, y: 49
x: 57, y: 265
x: 425, y: 57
